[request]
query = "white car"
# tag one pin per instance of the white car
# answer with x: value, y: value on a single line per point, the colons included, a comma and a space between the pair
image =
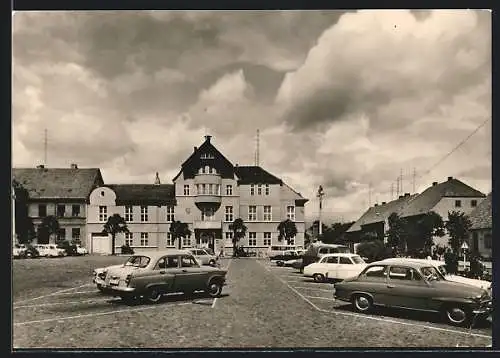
x: 81, y: 250
x: 337, y: 266
x: 50, y: 250
x: 203, y: 257
x: 99, y: 275
x: 441, y: 266
x: 19, y: 251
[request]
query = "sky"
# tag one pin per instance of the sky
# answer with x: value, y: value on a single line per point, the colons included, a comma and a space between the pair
x: 346, y: 100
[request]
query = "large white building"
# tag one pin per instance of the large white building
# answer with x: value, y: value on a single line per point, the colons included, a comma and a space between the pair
x: 208, y: 194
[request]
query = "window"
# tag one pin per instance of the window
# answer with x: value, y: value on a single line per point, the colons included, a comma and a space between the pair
x: 75, y: 210
x: 259, y: 189
x: 61, y: 209
x: 188, y: 261
x: 229, y: 190
x: 144, y: 213
x: 292, y: 241
x: 458, y: 203
x: 186, y: 241
x: 252, y: 213
x: 344, y: 260
x: 75, y: 233
x: 331, y: 260
x: 229, y: 235
x: 207, y: 214
x: 129, y: 239
x: 103, y: 213
x: 252, y: 239
x: 376, y: 271
x: 267, y: 213
x: 487, y: 241
x: 170, y: 213
x: 172, y: 262
x: 203, y: 188
x: 323, y: 250
x: 42, y: 210
x: 61, y: 234
x: 252, y: 189
x: 170, y: 241
x: 290, y: 212
x: 162, y: 264
x: 129, y: 213
x: 229, y: 213
x: 144, y: 239
x: 267, y: 239
x: 473, y: 203
x: 403, y: 274
x: 186, y: 189
x: 267, y: 189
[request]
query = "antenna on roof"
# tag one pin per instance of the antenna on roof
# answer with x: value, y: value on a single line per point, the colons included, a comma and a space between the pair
x: 257, y: 149
x: 392, y: 191
x: 401, y: 176
x: 414, y: 178
x: 45, y: 148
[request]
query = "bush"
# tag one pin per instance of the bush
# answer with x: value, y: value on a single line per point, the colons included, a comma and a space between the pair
x: 374, y: 250
x: 451, y: 262
x: 127, y: 250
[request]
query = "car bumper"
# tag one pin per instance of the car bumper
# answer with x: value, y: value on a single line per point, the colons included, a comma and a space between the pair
x: 484, y: 308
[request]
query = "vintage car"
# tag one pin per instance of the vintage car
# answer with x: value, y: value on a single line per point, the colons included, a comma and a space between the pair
x: 441, y: 266
x: 18, y: 251
x: 80, y: 250
x: 288, y: 258
x: 337, y: 266
x: 317, y: 250
x: 50, y: 250
x: 154, y: 274
x: 204, y: 257
x: 413, y: 285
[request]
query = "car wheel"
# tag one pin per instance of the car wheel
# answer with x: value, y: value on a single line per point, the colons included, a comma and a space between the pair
x: 29, y: 255
x: 301, y: 270
x: 153, y: 295
x: 99, y: 287
x: 362, y: 303
x: 214, y: 288
x: 457, y: 315
x: 318, y: 277
x: 280, y: 263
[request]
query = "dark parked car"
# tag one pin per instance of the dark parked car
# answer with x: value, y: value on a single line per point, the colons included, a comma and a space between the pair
x: 413, y: 285
x: 286, y: 257
x: 316, y: 250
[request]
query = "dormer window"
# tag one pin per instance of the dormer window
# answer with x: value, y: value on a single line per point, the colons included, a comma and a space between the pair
x: 206, y: 156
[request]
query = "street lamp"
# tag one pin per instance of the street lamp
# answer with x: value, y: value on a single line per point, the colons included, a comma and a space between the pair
x: 320, y: 195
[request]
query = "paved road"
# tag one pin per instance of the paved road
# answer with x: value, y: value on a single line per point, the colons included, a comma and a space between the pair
x: 262, y: 306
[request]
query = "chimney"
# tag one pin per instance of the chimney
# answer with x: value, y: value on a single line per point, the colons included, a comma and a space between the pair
x: 407, y: 195
x: 375, y: 204
x: 383, y: 203
x: 41, y: 166
x: 74, y: 166
x: 434, y: 183
x: 207, y: 138
x: 450, y: 178
x: 195, y: 149
x: 400, y: 196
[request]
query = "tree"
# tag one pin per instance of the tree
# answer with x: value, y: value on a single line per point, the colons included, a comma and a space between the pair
x: 373, y: 250
x: 425, y: 228
x: 24, y: 229
x: 287, y: 230
x: 239, y: 231
x: 458, y: 227
x: 335, y: 234
x: 50, y: 226
x: 115, y: 225
x: 179, y: 230
x: 313, y: 230
x: 397, y: 235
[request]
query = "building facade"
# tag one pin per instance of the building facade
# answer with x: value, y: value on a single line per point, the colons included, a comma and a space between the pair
x: 208, y: 194
x: 480, y: 240
x: 59, y: 192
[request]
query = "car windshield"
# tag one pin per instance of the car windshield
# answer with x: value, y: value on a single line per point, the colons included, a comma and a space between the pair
x: 442, y: 269
x: 138, y: 261
x: 357, y: 260
x: 431, y: 273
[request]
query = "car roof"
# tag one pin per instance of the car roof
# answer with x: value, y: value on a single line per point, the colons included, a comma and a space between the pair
x: 404, y: 261
x: 160, y: 253
x: 343, y: 254
x: 409, y: 259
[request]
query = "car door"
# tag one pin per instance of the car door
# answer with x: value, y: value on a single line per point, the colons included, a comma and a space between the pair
x: 164, y: 272
x: 344, y: 268
x: 190, y: 276
x: 373, y: 280
x: 407, y: 288
x: 329, y: 266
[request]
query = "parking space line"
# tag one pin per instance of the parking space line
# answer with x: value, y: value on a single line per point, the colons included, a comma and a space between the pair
x: 375, y: 318
x: 227, y: 269
x: 52, y: 294
x: 63, y: 303
x: 98, y: 314
x: 321, y: 298
x: 310, y: 288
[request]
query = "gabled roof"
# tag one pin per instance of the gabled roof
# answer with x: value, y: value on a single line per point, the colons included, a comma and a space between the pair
x: 136, y: 194
x: 381, y: 212
x: 58, y: 183
x: 481, y: 217
x: 428, y: 199
x: 255, y: 175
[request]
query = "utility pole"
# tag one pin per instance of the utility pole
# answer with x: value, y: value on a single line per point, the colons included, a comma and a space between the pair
x: 414, y: 179
x: 45, y: 148
x: 369, y: 194
x: 392, y: 191
x: 320, y: 195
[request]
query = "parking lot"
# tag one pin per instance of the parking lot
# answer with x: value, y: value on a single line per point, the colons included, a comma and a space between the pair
x: 56, y: 306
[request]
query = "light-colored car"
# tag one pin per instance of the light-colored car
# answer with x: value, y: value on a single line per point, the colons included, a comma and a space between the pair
x: 338, y: 266
x: 19, y: 251
x: 50, y: 250
x: 414, y: 285
x: 80, y: 250
x: 154, y: 274
x: 204, y: 257
x: 441, y: 266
